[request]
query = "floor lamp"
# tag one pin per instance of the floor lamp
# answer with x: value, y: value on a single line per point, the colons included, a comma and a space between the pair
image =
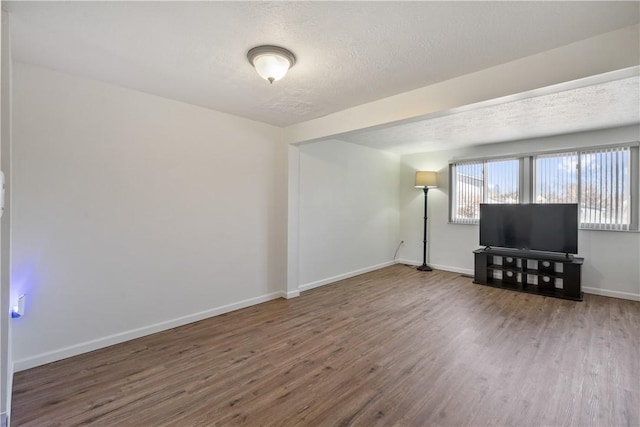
x: 425, y: 180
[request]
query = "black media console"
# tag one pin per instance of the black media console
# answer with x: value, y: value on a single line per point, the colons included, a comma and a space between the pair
x: 542, y: 274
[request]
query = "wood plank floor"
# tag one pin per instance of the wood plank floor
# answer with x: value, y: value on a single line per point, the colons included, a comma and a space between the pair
x: 392, y: 347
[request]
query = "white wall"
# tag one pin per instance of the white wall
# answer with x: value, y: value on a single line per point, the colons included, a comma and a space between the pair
x: 6, y: 362
x: 611, y: 258
x: 348, y: 211
x: 134, y: 213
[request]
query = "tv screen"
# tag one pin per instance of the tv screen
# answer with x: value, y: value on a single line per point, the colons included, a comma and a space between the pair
x: 537, y: 227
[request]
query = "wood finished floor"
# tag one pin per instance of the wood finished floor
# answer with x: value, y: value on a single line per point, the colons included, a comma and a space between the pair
x: 391, y: 347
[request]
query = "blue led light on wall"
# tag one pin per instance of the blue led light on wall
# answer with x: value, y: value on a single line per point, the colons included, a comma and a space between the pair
x: 17, y: 310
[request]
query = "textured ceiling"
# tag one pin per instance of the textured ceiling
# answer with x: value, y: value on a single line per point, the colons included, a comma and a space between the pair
x: 597, y: 106
x: 348, y: 53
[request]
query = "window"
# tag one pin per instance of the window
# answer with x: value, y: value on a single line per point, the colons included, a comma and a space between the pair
x: 598, y: 180
x: 556, y: 178
x: 503, y: 184
x: 605, y: 196
x: 467, y: 188
x: 495, y: 181
x: 602, y: 181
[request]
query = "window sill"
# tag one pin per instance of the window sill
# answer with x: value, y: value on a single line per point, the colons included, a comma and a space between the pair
x: 607, y: 229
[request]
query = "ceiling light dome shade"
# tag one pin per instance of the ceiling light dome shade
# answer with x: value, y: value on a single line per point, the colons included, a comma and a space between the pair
x: 271, y: 62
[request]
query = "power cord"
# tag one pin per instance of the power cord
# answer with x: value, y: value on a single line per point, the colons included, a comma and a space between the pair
x: 395, y: 256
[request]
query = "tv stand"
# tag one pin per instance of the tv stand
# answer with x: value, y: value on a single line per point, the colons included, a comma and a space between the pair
x: 548, y: 274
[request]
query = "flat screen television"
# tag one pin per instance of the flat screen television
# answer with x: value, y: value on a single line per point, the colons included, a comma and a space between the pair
x: 538, y: 227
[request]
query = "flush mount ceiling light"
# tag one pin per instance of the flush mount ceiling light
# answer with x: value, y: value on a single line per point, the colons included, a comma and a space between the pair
x: 271, y: 62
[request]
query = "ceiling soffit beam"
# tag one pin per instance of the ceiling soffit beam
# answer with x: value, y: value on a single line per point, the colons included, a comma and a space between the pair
x: 608, y: 52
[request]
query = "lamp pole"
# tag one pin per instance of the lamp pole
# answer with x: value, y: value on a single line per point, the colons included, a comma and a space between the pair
x: 424, y: 266
x: 425, y: 180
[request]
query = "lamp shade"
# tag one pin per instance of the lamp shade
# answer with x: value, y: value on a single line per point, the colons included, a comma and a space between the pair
x: 426, y: 179
x: 271, y: 67
x: 271, y: 62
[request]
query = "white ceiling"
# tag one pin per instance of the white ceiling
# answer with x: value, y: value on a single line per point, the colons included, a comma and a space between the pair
x: 553, y: 111
x: 348, y: 53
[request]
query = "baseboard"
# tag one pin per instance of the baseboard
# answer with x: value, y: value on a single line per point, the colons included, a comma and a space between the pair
x: 354, y: 273
x: 612, y: 294
x: 74, y: 350
x: 408, y: 262
x: 586, y: 290
x: 437, y: 266
x: 4, y: 420
x: 290, y: 294
x: 452, y: 269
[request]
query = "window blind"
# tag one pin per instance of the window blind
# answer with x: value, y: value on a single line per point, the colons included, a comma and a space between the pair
x: 496, y: 181
x: 556, y: 178
x: 468, y: 187
x: 502, y: 179
x: 605, y: 190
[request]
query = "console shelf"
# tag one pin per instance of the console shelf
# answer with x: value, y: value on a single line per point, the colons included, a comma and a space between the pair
x: 542, y: 274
